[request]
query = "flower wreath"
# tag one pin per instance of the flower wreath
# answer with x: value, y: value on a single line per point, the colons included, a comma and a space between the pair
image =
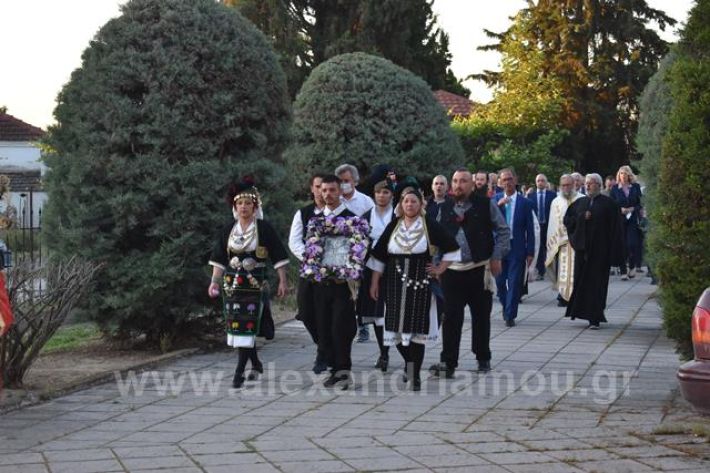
x: 319, y: 228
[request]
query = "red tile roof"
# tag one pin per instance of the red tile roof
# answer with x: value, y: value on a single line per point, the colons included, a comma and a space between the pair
x: 14, y: 129
x: 455, y: 105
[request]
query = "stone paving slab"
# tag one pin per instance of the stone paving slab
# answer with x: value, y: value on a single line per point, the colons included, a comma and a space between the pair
x: 561, y: 398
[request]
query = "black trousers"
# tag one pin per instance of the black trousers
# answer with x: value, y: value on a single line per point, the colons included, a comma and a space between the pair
x: 462, y: 288
x: 542, y: 254
x: 307, y: 313
x: 336, y: 323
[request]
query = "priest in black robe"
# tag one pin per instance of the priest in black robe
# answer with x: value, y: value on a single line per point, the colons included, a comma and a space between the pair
x: 594, y: 227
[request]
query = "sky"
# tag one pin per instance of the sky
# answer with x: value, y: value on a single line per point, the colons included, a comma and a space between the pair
x: 41, y: 42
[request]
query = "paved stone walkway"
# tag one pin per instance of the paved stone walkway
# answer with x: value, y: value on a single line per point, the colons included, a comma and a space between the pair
x: 561, y: 398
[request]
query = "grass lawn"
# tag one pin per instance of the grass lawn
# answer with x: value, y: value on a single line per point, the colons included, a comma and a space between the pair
x: 72, y: 336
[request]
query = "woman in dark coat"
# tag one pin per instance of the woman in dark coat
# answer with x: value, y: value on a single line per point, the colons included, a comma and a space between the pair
x: 627, y: 194
x: 238, y: 261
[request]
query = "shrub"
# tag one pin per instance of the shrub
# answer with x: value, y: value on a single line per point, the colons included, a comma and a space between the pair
x: 364, y: 110
x: 173, y: 99
x: 490, y: 145
x: 655, y: 105
x: 39, y: 313
x: 682, y: 213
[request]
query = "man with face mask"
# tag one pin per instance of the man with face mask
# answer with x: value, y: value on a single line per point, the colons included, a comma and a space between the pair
x: 354, y: 200
x: 357, y: 203
x: 594, y: 228
x: 560, y: 255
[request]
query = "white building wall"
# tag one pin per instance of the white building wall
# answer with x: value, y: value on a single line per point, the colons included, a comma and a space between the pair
x: 21, y: 154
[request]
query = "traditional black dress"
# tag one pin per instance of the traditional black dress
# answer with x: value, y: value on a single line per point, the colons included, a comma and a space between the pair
x: 368, y: 310
x: 402, y: 254
x: 597, y: 244
x: 259, y: 242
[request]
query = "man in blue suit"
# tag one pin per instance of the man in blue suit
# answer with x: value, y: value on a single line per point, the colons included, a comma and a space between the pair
x: 518, y: 213
x: 541, y: 199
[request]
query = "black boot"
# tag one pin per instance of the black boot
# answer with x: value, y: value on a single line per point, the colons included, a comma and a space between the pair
x: 416, y: 382
x: 382, y: 363
x: 256, y: 369
x: 238, y: 379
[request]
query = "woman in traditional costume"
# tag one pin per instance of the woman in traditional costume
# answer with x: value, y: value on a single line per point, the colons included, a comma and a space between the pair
x: 238, y: 262
x: 368, y: 310
x: 403, y: 254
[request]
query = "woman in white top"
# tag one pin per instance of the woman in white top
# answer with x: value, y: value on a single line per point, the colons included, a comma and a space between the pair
x: 368, y: 310
x: 403, y: 254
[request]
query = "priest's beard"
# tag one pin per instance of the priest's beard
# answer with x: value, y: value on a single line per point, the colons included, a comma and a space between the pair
x: 591, y: 194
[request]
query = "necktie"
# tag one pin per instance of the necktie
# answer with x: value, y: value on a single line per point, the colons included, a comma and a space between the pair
x: 541, y: 206
x: 509, y: 213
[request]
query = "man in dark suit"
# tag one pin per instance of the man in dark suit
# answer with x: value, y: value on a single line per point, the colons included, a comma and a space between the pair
x: 541, y: 199
x: 518, y: 214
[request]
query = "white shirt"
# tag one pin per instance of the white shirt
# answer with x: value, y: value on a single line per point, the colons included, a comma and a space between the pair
x: 422, y: 246
x: 358, y: 204
x: 513, y: 200
x: 378, y: 222
x: 337, y: 211
x: 295, y: 236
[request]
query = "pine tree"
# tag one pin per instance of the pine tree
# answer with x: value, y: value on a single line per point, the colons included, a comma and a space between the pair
x: 602, y: 52
x: 308, y: 32
x: 173, y: 99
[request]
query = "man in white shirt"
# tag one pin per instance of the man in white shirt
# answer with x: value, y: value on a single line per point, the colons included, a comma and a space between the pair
x: 334, y: 308
x: 358, y: 203
x: 355, y: 201
x: 297, y: 245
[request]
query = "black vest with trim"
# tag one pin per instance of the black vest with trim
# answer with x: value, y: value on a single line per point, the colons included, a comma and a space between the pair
x: 306, y: 213
x: 476, y: 224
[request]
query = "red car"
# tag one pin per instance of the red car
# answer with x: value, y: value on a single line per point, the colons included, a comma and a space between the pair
x: 694, y: 376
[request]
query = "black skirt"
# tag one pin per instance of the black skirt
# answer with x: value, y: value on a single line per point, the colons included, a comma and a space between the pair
x: 366, y: 306
x: 407, y: 294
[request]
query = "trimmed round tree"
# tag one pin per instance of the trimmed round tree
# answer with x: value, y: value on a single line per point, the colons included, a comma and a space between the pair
x: 362, y: 109
x: 173, y: 99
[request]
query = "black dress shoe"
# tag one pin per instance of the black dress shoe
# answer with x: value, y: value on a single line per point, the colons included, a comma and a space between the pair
x: 416, y: 384
x: 484, y: 366
x: 320, y: 366
x: 337, y: 380
x: 439, y: 368
x: 510, y: 323
x: 238, y: 379
x: 382, y: 363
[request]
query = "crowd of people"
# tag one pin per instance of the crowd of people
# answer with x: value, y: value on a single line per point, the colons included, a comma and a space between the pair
x: 410, y: 265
